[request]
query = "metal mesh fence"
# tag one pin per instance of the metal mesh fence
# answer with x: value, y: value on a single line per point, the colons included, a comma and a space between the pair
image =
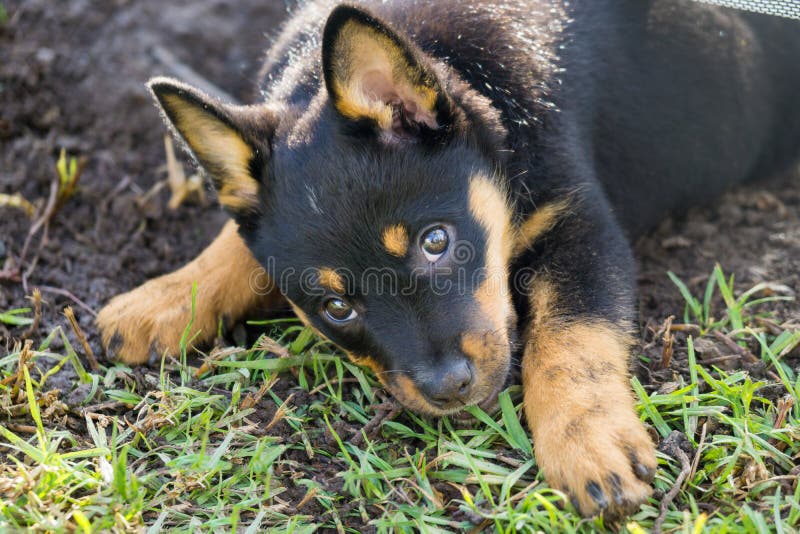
x: 780, y: 8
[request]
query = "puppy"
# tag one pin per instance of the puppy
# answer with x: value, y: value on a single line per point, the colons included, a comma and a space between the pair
x: 446, y: 188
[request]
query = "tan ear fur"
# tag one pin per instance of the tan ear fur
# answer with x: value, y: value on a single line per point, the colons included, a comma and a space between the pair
x: 210, y: 131
x: 371, y: 73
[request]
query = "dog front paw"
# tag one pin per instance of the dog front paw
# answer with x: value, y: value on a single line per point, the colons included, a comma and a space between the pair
x: 587, y: 437
x: 143, y: 324
x: 605, y: 464
x: 149, y: 321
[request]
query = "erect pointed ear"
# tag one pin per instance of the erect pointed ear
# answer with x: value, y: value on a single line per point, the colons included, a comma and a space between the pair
x: 373, y: 73
x: 232, y: 143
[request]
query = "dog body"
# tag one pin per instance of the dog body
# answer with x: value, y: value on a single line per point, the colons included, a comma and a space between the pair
x: 446, y: 188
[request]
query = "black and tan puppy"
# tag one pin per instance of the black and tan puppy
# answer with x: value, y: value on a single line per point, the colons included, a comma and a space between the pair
x: 445, y: 188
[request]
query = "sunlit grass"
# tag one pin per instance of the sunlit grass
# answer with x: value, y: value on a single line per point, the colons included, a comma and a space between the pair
x: 210, y: 448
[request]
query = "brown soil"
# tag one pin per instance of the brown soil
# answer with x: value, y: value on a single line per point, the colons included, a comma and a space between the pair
x: 72, y: 76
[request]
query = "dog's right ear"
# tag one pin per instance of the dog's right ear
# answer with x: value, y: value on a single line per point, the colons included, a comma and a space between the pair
x: 232, y: 143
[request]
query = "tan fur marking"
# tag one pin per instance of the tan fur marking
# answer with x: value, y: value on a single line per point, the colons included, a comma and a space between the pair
x: 354, y: 104
x: 489, y: 207
x: 579, y: 405
x: 221, y: 148
x: 404, y: 390
x: 305, y: 320
x: 395, y: 240
x: 488, y: 346
x: 491, y: 356
x: 300, y: 314
x: 368, y: 362
x: 482, y: 348
x: 154, y: 315
x: 368, y: 63
x: 543, y: 305
x: 332, y: 280
x: 474, y: 346
x: 539, y: 223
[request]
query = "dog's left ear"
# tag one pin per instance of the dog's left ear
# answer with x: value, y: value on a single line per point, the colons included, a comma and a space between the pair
x: 232, y: 143
x: 374, y: 74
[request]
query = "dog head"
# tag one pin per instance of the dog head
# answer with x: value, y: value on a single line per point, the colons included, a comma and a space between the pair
x: 376, y: 208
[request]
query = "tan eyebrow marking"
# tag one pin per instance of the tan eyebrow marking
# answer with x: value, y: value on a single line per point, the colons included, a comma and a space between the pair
x: 331, y: 279
x: 395, y: 240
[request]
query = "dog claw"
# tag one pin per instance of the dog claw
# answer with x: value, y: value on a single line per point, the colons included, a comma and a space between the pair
x: 644, y: 473
x: 616, y: 488
x: 596, y: 492
x: 154, y: 358
x: 115, y: 345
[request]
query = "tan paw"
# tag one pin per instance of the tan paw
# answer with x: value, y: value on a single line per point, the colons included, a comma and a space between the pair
x: 587, y: 437
x: 143, y: 324
x: 605, y: 463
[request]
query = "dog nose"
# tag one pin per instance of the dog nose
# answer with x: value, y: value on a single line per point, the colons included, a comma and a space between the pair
x: 448, y: 383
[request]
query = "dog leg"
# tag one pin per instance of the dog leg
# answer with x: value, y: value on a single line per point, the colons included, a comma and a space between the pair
x: 575, y: 370
x: 578, y: 401
x: 149, y: 321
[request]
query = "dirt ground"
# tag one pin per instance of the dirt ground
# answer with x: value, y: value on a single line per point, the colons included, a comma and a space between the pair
x: 72, y: 76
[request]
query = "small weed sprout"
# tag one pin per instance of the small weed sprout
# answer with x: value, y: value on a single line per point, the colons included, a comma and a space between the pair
x: 69, y: 172
x: 68, y: 169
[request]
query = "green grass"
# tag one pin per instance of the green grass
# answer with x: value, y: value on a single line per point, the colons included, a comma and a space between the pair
x: 16, y: 317
x: 169, y: 450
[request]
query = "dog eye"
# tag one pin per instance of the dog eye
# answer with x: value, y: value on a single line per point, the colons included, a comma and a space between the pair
x: 434, y: 243
x: 339, y: 311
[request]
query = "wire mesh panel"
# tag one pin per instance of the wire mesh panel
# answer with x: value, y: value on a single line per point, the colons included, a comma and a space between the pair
x: 781, y: 8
